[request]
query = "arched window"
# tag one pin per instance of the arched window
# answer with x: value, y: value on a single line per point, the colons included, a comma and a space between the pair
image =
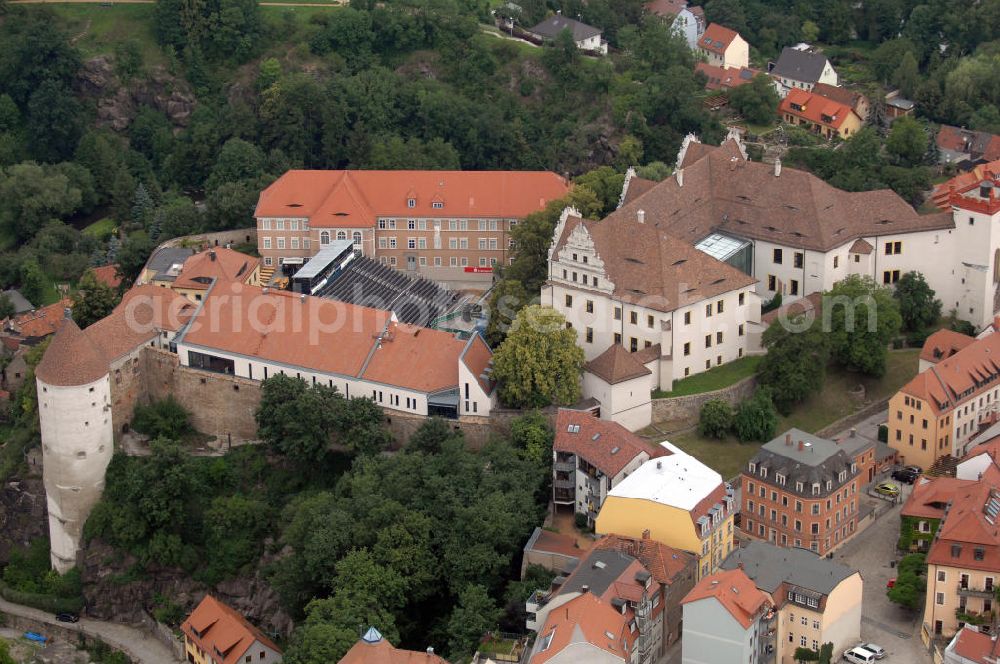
x: 357, y: 238
x: 324, y: 237
x: 341, y: 235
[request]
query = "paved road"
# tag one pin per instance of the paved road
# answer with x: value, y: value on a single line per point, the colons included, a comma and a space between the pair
x: 136, y: 643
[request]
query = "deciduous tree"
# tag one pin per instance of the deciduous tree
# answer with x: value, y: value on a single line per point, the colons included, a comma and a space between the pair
x: 864, y: 317
x: 93, y: 300
x: 918, y: 307
x: 475, y: 615
x: 715, y: 419
x: 795, y: 363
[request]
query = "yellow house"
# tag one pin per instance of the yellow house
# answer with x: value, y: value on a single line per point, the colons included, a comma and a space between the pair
x: 678, y: 501
x: 216, y: 634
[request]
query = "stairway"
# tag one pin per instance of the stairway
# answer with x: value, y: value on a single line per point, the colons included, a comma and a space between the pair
x: 945, y: 466
x: 265, y: 275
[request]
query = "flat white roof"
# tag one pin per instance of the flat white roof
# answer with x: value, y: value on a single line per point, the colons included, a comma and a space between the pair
x: 678, y: 480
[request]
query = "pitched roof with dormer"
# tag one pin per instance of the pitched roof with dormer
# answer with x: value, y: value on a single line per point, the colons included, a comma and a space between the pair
x: 734, y: 590
x: 816, y: 108
x: 969, y: 536
x: 217, y: 264
x: 717, y: 38
x: 943, y: 344
x: 372, y: 648
x: 604, y: 444
x: 585, y: 622
x: 222, y: 632
x: 959, y: 377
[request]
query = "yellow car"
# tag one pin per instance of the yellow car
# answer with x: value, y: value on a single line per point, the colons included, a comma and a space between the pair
x: 887, y: 489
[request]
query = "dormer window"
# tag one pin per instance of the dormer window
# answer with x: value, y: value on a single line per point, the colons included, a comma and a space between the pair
x: 437, y: 205
x: 753, y: 467
x: 816, y: 488
x: 799, y: 487
x: 411, y: 202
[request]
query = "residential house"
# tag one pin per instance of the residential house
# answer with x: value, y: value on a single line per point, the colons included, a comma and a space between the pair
x: 819, y: 114
x: 970, y: 646
x: 801, y: 490
x: 638, y: 578
x: 817, y: 600
x: 586, y: 37
x: 943, y: 407
x: 984, y: 451
x: 896, y: 106
x: 214, y: 633
x: 924, y: 509
x: 585, y: 630
x: 851, y: 98
x: 372, y: 648
x: 591, y: 456
x: 724, y: 47
x: 727, y: 620
x: 799, y: 67
x: 680, y: 502
x: 686, y: 20
x: 796, y: 235
x: 555, y: 552
x: 255, y: 333
x: 966, y: 147
x: 220, y: 264
x: 163, y: 266
x: 450, y: 226
x: 963, y: 562
x: 722, y: 78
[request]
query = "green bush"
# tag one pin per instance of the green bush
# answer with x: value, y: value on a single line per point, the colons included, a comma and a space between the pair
x: 771, y: 304
x: 49, y: 603
x: 715, y: 419
x: 756, y: 418
x: 883, y: 433
x: 580, y: 520
x: 162, y: 419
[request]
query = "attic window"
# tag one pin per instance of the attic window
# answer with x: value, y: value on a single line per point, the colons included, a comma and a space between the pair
x: 340, y: 214
x: 680, y: 262
x: 839, y: 230
x: 718, y: 281
x: 615, y: 450
x: 772, y: 229
x: 633, y: 260
x: 411, y: 202
x: 437, y: 205
x: 573, y: 428
x: 789, y: 207
x: 294, y: 205
x: 885, y: 222
x: 742, y: 197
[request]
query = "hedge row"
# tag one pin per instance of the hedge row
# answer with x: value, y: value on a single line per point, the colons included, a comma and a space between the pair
x: 42, y: 602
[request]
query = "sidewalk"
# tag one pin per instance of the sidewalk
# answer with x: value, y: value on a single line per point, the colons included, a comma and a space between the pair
x: 137, y: 644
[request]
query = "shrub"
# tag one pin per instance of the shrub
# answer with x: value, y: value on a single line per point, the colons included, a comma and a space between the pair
x: 716, y: 418
x: 883, y: 433
x: 162, y: 419
x: 580, y: 520
x: 756, y: 418
x: 771, y: 304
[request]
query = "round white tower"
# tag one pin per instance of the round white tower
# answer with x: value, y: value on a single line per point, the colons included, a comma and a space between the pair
x: 74, y: 412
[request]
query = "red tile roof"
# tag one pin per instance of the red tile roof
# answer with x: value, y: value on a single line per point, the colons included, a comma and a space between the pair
x: 861, y: 246
x: 990, y: 447
x: 812, y: 303
x: 355, y: 199
x: 218, y: 629
x: 381, y: 651
x: 668, y: 8
x: 107, y: 274
x: 975, y: 646
x: 931, y: 495
x: 979, y: 144
x: 584, y: 619
x: 41, y: 322
x: 221, y: 263
x: 815, y: 108
x: 616, y: 365
x: 838, y: 94
x: 565, y: 545
x: 969, y: 537
x: 606, y: 445
x: 734, y: 590
x: 958, y: 378
x: 477, y: 357
x: 717, y: 38
x: 725, y: 78
x: 943, y: 344
x: 942, y: 192
x: 662, y: 561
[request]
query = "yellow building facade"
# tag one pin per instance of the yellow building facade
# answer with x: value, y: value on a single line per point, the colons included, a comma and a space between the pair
x: 917, y: 432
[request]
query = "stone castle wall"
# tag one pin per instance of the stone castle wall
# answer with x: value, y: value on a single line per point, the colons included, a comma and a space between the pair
x: 689, y: 407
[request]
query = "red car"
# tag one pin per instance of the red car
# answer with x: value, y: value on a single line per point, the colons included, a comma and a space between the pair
x: 891, y: 583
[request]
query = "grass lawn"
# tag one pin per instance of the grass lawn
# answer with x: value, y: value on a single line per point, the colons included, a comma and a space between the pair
x: 713, y: 379
x: 493, y: 645
x: 101, y: 229
x: 832, y: 403
x: 97, y: 29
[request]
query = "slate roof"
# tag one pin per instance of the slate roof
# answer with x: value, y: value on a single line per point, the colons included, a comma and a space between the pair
x: 21, y: 304
x: 723, y: 192
x: 799, y: 65
x: 803, y: 457
x: 769, y: 566
x: 553, y: 25
x: 166, y: 257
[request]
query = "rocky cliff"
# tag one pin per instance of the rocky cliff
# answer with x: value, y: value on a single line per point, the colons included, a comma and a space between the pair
x: 23, y: 516
x: 118, y: 103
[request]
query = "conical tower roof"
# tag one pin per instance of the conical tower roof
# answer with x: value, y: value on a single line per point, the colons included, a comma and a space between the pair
x: 71, y: 359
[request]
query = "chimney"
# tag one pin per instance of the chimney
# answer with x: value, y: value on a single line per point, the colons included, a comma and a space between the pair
x: 740, y: 565
x: 680, y: 177
x: 211, y: 255
x: 640, y: 215
x: 584, y: 589
x: 646, y: 534
x: 68, y: 313
x: 430, y: 650
x: 788, y: 439
x: 659, y: 464
x: 777, y: 167
x: 854, y: 432
x: 802, y: 446
x: 302, y: 297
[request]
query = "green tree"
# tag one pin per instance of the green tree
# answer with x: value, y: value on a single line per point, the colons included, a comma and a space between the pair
x: 33, y: 195
x: 606, y: 183
x: 394, y: 152
x: 533, y: 436
x: 6, y: 307
x: 55, y: 121
x: 128, y: 59
x: 756, y: 101
x: 656, y: 171
x: 863, y: 319
x: 756, y: 418
x: 142, y: 205
x: 539, y: 362
x: 826, y: 653
x: 907, y: 141
x: 32, y: 280
x: 918, y: 307
x: 715, y: 419
x: 93, y: 300
x: 238, y: 161
x: 5, y: 656
x: 297, y: 419
x: 165, y: 418
x: 431, y: 436
x: 475, y: 615
x: 803, y: 654
x: 795, y: 364
x: 131, y: 257
x: 235, y: 528
x: 907, y: 75
x: 506, y: 299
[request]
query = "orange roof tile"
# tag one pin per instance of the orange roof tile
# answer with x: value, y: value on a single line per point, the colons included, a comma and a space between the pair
x: 941, y: 195
x: 815, y: 108
x: 734, y: 590
x: 72, y: 358
x: 606, y: 445
x: 958, y: 378
x: 717, y: 38
x: 218, y: 629
x: 990, y: 447
x: 931, y: 495
x: 974, y: 646
x: 616, y: 365
x: 355, y: 199
x: 725, y: 78
x: 584, y: 619
x: 41, y: 322
x: 107, y: 274
x: 969, y: 537
x: 373, y: 649
x: 477, y: 357
x: 220, y: 263
x: 663, y: 562
x: 943, y: 344
x: 416, y: 358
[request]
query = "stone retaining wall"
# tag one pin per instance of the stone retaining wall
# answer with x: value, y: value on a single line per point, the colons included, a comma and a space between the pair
x: 689, y: 406
x: 219, y: 239
x: 854, y: 418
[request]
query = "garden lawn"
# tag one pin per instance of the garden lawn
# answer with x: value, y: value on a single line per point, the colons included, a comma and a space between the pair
x: 96, y: 28
x: 100, y: 229
x: 834, y: 402
x: 713, y: 379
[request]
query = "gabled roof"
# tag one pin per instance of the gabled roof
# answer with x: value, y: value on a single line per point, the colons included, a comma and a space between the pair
x: 222, y: 632
x: 931, y: 495
x: 724, y: 78
x: 969, y: 536
x: 959, y: 377
x: 861, y: 246
x: 220, y: 263
x: 943, y: 344
x: 717, y: 38
x: 372, y: 648
x: 586, y: 622
x: 355, y: 199
x: 838, y: 94
x: 978, y: 144
x: 769, y: 566
x: 663, y: 562
x: 816, y: 108
x: 972, y: 645
x: 722, y: 192
x: 734, y: 590
x: 21, y: 304
x: 108, y: 275
x: 604, y: 444
x: 553, y: 25
x: 40, y: 323
x: 616, y: 365
x: 164, y: 258
x: 666, y: 8
x: 799, y: 65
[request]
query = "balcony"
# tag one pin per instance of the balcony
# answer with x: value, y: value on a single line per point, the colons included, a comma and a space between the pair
x: 563, y: 484
x: 564, y: 466
x: 970, y: 591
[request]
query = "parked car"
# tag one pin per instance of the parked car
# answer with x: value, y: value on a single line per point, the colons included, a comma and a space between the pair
x: 67, y: 617
x: 908, y: 474
x: 887, y: 489
x: 891, y: 583
x: 859, y: 655
x: 874, y: 649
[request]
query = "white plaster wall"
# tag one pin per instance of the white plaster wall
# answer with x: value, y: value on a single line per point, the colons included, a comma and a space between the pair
x: 472, y: 393
x: 971, y: 469
x: 738, y: 53
x: 77, y: 445
x: 628, y: 403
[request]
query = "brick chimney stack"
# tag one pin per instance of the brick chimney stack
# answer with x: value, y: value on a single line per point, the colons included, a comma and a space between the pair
x: 802, y: 446
x: 788, y: 439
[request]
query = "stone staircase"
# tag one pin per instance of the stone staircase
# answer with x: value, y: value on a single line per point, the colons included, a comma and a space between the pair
x: 945, y: 466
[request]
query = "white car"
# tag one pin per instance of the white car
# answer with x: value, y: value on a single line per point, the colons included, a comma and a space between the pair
x: 859, y: 655
x: 876, y: 650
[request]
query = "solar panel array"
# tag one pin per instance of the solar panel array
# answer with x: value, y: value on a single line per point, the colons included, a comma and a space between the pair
x: 415, y: 300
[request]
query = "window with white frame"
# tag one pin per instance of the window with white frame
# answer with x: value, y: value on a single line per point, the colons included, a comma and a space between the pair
x: 341, y: 235
x: 279, y: 224
x: 293, y: 225
x: 281, y: 243
x: 411, y: 224
x: 267, y: 242
x: 295, y: 243
x: 392, y: 243
x: 422, y: 243
x: 265, y: 224
x: 324, y: 238
x: 357, y: 238
x: 453, y: 243
x: 411, y: 243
